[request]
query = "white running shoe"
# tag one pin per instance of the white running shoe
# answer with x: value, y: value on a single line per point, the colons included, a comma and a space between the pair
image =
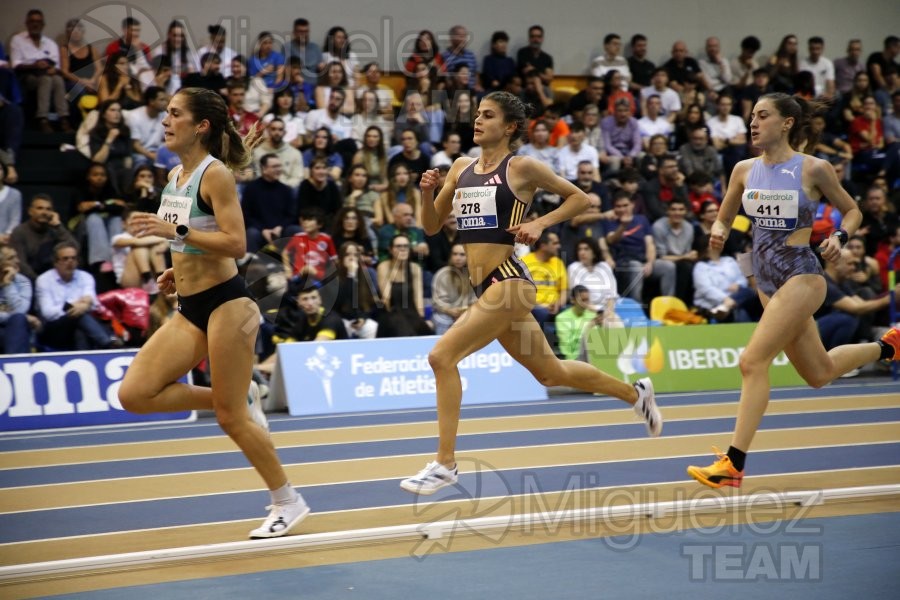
x: 430, y: 479
x: 646, y: 408
x: 254, y: 405
x: 281, y: 519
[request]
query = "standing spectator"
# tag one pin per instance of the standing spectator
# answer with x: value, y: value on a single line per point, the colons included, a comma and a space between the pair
x: 451, y: 291
x: 728, y: 133
x: 183, y: 59
x: 682, y: 67
x: 715, y: 69
x: 290, y: 157
x: 16, y: 323
x: 630, y: 239
x: 309, y: 254
x: 497, y: 66
x: 622, y: 136
x: 674, y: 238
x: 532, y: 58
x: 145, y: 123
x: 10, y: 210
x: 65, y: 298
x: 460, y: 118
x: 35, y: 58
x: 550, y: 279
x: 308, y: 52
x: 457, y: 54
x: 269, y: 207
x: 783, y: 65
x: 878, y: 62
x: 641, y: 68
x: 612, y: 60
x: 401, y: 283
x: 116, y: 83
x: 846, y: 68
x: 137, y: 52
x: 216, y: 46
x: 318, y: 190
x: 744, y: 64
x: 821, y: 67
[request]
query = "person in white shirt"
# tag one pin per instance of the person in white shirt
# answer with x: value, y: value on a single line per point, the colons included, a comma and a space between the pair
x: 743, y: 65
x: 576, y: 152
x: 35, y: 59
x: 217, y: 45
x: 822, y: 68
x: 670, y: 100
x: 653, y: 123
x: 341, y: 127
x: 612, y: 60
x: 728, y: 133
x: 715, y: 68
x: 145, y: 123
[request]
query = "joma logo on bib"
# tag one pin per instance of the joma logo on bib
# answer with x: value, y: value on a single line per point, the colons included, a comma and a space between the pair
x: 476, y: 208
x: 772, y: 209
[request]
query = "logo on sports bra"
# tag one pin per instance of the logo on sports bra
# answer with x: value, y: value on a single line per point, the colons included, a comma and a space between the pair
x: 495, y: 180
x: 789, y: 172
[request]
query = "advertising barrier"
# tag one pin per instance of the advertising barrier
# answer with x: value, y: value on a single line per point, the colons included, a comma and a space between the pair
x: 383, y: 374
x: 68, y: 389
x: 681, y: 358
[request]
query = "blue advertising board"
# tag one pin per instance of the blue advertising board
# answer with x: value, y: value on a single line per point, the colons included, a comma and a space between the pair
x: 68, y: 389
x: 384, y: 374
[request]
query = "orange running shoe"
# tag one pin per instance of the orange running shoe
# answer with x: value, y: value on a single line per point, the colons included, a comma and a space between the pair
x: 718, y: 474
x: 892, y: 337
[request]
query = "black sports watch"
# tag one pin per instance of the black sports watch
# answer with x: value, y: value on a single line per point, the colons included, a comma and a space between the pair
x: 181, y: 232
x: 840, y: 234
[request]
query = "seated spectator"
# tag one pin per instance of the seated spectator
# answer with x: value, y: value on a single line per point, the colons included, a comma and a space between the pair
x: 460, y: 118
x: 591, y: 95
x: 10, y: 210
x: 852, y: 102
x: 138, y: 261
x: 558, y: 128
x: 209, y: 77
x: 401, y: 190
x: 35, y: 59
x: 720, y: 289
x: 586, y: 224
x: 440, y: 245
x: 593, y: 134
x: 356, y: 296
x: 16, y: 324
x: 497, y: 66
x: 700, y: 190
x: 736, y: 242
x: 183, y: 60
x: 617, y: 91
x: 404, y: 223
x: 425, y: 51
x: 878, y: 220
x: 866, y: 138
x: 242, y: 118
x: 373, y: 156
x: 358, y: 194
x: 744, y: 65
x: 145, y: 123
x: 292, y: 171
x: 539, y: 146
x: 716, y: 69
x: 728, y: 133
x: 536, y: 94
x: 674, y: 238
x: 337, y: 49
x: 682, y: 69
x: 97, y: 218
x: 669, y: 99
x: 269, y: 207
x: 550, y: 279
x: 320, y: 191
x: 641, y: 68
x: 401, y: 283
x: 668, y: 185
x: 110, y: 144
x: 657, y: 149
x: 136, y: 51
x: 691, y: 118
x: 699, y: 155
x: 370, y: 114
x: 350, y: 226
x: 622, y: 136
x: 845, y: 318
x: 332, y: 78
x: 323, y: 148
x: 611, y: 60
x: 411, y: 156
x: 143, y: 195
x: 266, y: 62
x: 35, y: 238
x: 451, y: 291
x: 425, y: 120
x: 78, y: 66
x: 302, y: 91
x: 116, y: 83
x: 653, y: 123
x: 752, y: 93
x: 309, y: 254
x: 574, y: 323
x: 451, y: 150
x: 630, y: 240
x: 595, y: 276
x: 385, y: 101
x: 783, y: 65
x: 65, y: 298
x: 12, y: 126
x: 166, y: 160
x: 829, y: 146
x: 865, y: 281
x: 576, y: 152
